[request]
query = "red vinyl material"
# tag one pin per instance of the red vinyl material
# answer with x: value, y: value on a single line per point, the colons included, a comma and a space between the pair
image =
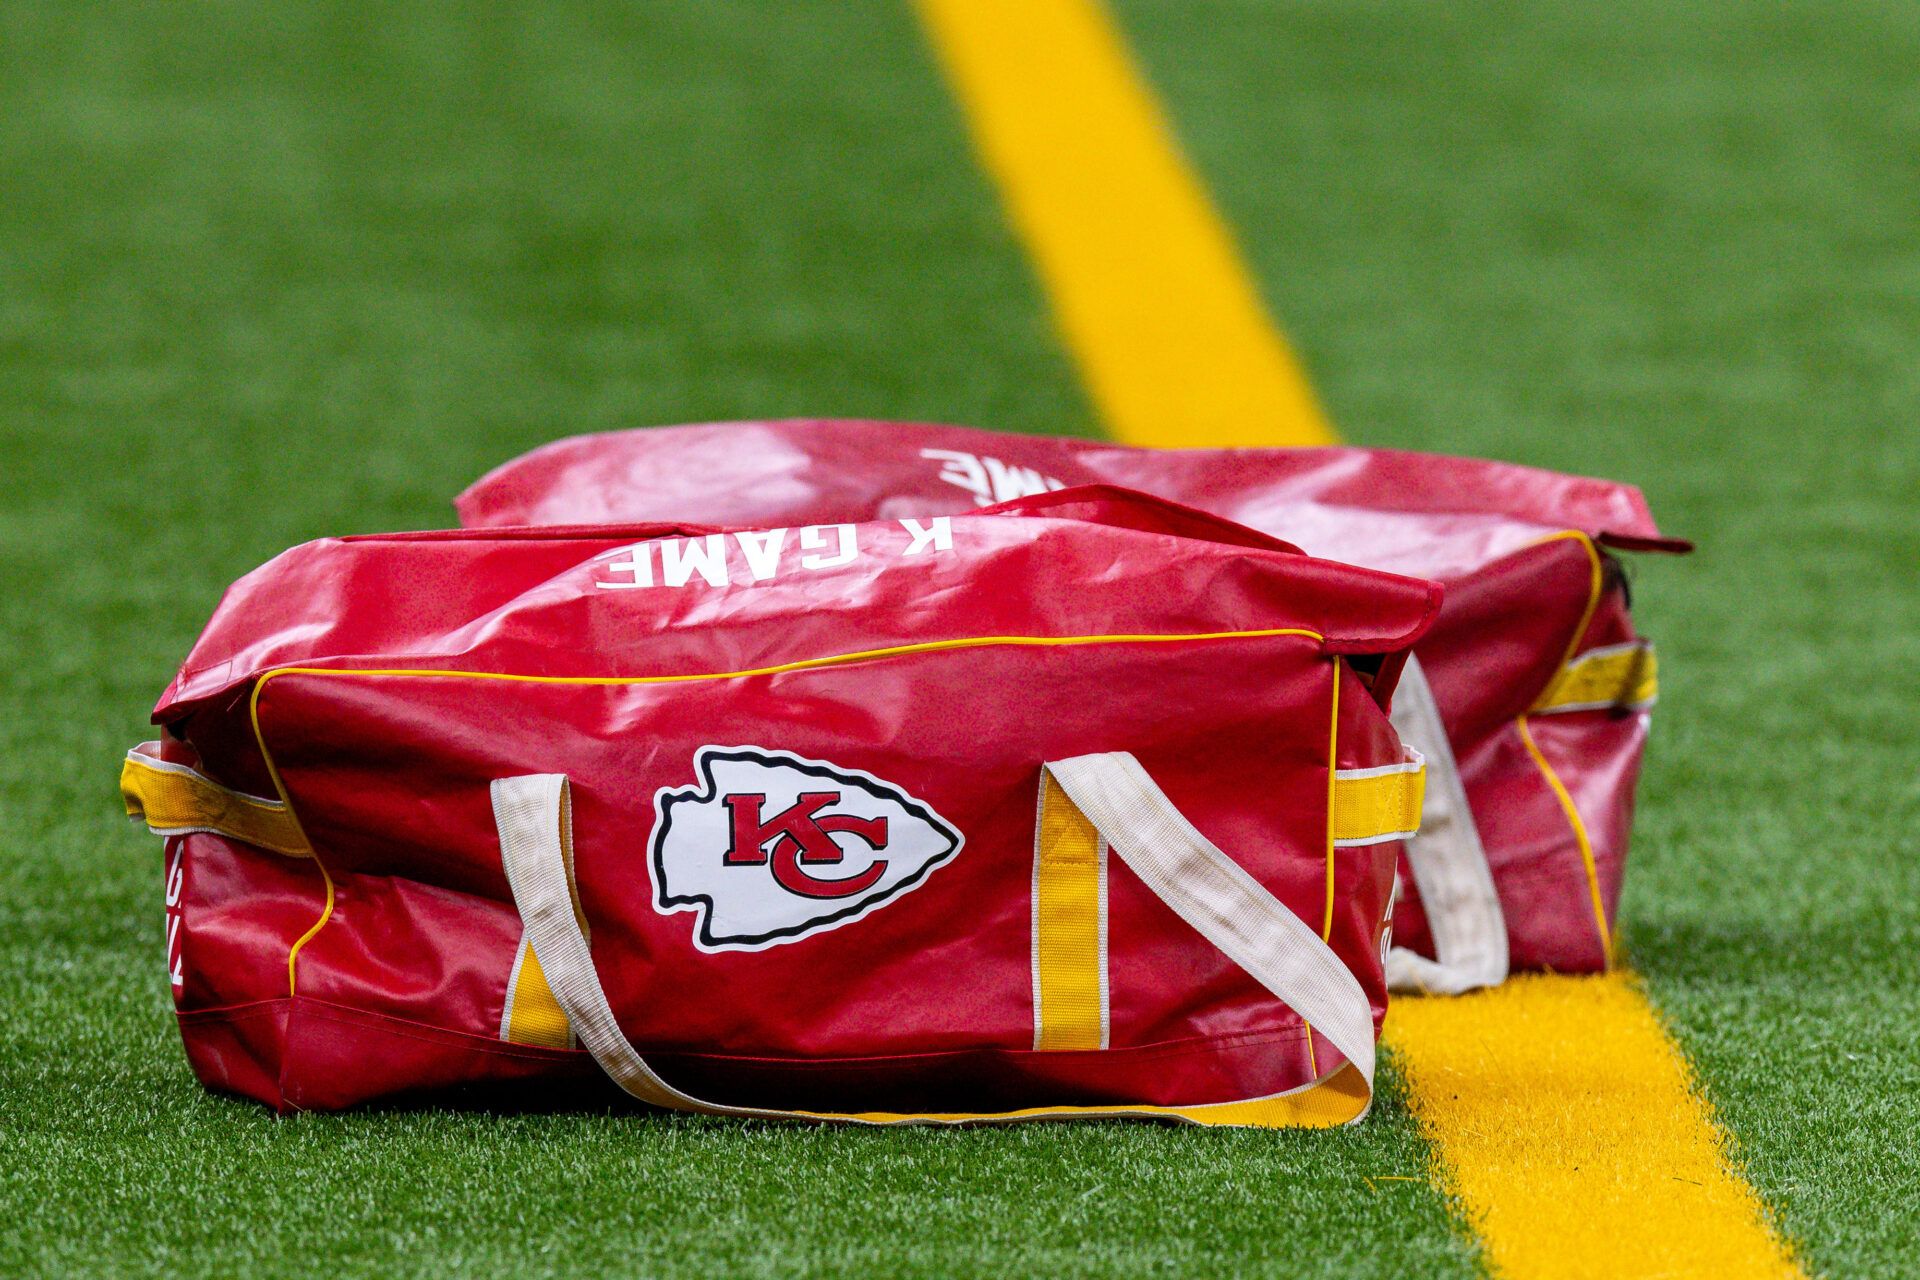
x: 1522, y: 596
x: 351, y: 677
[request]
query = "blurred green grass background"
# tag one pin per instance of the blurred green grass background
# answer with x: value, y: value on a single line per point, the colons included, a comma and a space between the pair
x: 274, y: 271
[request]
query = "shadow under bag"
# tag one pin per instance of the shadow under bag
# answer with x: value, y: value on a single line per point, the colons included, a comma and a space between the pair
x: 1083, y: 805
x: 1529, y: 696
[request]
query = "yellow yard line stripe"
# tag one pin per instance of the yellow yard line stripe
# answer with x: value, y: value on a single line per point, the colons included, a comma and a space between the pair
x: 1566, y: 1121
x: 1572, y: 1132
x: 1146, y: 283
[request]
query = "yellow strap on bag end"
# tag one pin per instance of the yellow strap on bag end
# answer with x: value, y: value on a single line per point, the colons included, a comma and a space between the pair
x: 1069, y: 926
x: 173, y: 800
x: 533, y: 1015
x: 1616, y: 677
x: 1372, y: 806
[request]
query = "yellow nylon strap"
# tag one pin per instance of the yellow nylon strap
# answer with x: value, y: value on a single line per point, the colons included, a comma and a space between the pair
x: 172, y: 799
x: 1622, y: 675
x: 1069, y: 926
x: 534, y: 1015
x: 1369, y: 807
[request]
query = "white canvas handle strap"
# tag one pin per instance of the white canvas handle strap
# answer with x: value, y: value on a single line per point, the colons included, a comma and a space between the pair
x: 534, y: 817
x: 1449, y: 864
x: 1226, y: 905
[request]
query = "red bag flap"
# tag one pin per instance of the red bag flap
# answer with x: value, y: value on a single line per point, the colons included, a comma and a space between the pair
x: 1108, y: 560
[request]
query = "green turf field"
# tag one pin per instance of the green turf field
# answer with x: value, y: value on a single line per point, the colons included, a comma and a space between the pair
x: 274, y: 271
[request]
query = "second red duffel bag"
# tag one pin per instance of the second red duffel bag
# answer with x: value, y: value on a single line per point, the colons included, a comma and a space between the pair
x: 1084, y: 806
x: 1529, y: 696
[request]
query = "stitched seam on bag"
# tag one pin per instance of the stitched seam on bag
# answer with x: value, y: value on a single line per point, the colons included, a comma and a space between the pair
x: 426, y: 1033
x: 244, y: 1011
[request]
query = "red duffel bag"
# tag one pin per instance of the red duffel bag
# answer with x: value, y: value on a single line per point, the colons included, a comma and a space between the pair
x: 1529, y: 697
x: 1086, y: 805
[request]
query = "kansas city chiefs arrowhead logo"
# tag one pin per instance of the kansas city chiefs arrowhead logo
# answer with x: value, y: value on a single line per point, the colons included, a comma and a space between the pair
x: 769, y: 847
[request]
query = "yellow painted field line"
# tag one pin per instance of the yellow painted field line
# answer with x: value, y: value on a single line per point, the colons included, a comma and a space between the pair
x: 1575, y: 1136
x: 1566, y: 1120
x: 1144, y: 278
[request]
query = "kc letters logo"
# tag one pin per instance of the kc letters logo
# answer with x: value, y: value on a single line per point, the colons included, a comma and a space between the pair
x: 769, y: 847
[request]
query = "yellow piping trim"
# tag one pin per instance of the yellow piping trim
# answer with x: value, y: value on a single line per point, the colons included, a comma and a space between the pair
x: 1147, y: 286
x: 326, y: 914
x: 1333, y: 770
x: 805, y: 664
x: 1069, y: 910
x: 1580, y: 836
x: 1593, y: 589
x: 280, y: 789
x: 1333, y: 798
